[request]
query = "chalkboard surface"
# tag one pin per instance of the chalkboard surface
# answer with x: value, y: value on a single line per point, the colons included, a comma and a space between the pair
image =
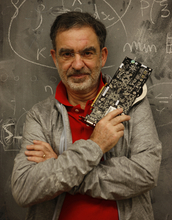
x: 141, y: 30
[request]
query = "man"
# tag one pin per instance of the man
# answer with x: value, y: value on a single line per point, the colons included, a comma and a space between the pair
x: 61, y: 171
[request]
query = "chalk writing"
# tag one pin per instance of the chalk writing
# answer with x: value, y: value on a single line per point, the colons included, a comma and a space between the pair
x: 16, y: 78
x: 163, y: 99
x: 107, y: 17
x: 34, y: 78
x: 7, y: 127
x: 140, y: 47
x: 160, y: 111
x: 3, y: 75
x: 75, y: 2
x: 144, y: 5
x: 39, y: 53
x: 53, y: 79
x: 58, y: 10
x: 49, y: 88
x: 169, y: 44
x: 78, y: 9
x: 119, y: 18
x: 164, y: 4
x: 96, y: 14
x: 17, y: 8
x: 9, y: 36
x: 10, y: 140
x: 14, y: 101
x: 40, y: 8
x: 165, y: 10
x: 7, y: 133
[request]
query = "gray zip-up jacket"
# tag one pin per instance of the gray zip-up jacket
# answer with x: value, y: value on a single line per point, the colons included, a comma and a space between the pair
x: 130, y: 170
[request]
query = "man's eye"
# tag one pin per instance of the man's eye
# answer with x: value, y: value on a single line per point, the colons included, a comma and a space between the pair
x: 88, y: 53
x: 67, y: 55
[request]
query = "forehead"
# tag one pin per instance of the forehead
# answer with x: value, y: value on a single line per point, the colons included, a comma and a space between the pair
x: 77, y: 38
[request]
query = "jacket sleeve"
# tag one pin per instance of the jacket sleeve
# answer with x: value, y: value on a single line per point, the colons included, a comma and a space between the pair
x: 36, y: 182
x: 129, y: 175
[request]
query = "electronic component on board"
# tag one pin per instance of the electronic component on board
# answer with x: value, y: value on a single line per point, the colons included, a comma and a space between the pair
x: 125, y: 86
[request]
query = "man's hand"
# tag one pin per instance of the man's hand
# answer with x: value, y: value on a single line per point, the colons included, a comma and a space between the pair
x: 109, y: 130
x: 39, y: 152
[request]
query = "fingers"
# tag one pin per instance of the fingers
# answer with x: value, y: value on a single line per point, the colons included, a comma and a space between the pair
x: 42, y: 145
x: 39, y: 151
x: 113, y: 114
x: 117, y: 112
x: 39, y: 146
x: 119, y: 119
x: 109, y: 130
x: 119, y: 127
x: 35, y: 153
x: 36, y: 159
x: 115, y: 117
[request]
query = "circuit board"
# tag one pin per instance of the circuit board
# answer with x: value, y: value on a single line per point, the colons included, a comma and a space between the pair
x: 125, y: 86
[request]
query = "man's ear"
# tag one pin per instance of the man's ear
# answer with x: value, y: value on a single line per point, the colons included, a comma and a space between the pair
x: 53, y: 54
x: 104, y: 55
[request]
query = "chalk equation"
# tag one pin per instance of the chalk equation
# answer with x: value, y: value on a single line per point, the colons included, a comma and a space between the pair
x: 151, y: 5
x: 149, y: 8
x: 169, y: 44
x: 160, y: 98
x: 103, y: 10
x: 109, y: 16
x: 12, y: 128
x: 8, y: 139
x: 139, y: 46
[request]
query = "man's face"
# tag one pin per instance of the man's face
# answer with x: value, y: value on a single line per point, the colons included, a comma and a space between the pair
x: 78, y: 59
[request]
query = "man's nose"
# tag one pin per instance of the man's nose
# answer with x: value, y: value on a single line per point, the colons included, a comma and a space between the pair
x: 77, y: 63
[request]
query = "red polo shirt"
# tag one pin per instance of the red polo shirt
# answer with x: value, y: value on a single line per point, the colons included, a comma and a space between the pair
x: 77, y: 207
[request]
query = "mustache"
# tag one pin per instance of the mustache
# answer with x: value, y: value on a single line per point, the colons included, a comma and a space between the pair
x: 78, y: 72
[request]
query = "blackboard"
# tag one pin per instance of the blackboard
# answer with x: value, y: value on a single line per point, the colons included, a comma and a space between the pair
x: 141, y: 30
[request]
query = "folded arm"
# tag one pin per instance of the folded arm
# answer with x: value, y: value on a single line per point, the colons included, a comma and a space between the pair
x: 39, y: 174
x: 35, y: 182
